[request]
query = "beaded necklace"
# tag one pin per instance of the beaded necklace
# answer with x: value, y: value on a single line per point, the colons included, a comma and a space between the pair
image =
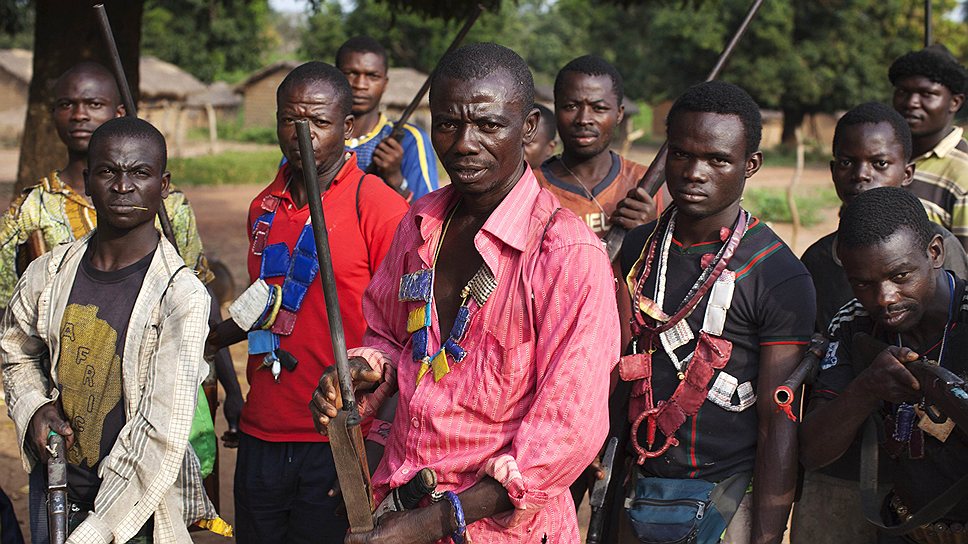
x: 418, y: 287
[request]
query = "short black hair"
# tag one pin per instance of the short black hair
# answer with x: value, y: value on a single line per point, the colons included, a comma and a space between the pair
x: 95, y: 69
x: 723, y: 98
x: 129, y: 127
x: 877, y: 214
x: 319, y: 72
x: 935, y: 63
x: 479, y: 60
x: 593, y: 65
x: 548, y: 122
x: 362, y: 44
x: 873, y: 113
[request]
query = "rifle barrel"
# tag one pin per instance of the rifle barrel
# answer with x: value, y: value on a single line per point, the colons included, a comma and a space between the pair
x: 326, y: 275
x: 57, y: 489
x: 805, y: 372
x: 130, y: 106
x: 655, y: 176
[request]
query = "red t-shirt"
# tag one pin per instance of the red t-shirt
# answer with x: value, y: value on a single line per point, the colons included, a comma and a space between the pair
x: 278, y: 412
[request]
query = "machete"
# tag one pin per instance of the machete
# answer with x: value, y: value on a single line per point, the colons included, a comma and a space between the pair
x: 655, y: 176
x: 345, y: 435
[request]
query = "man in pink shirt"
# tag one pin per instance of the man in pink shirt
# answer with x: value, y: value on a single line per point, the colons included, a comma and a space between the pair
x: 509, y: 407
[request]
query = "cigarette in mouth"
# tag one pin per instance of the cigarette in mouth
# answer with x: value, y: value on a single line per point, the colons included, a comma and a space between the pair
x: 142, y: 208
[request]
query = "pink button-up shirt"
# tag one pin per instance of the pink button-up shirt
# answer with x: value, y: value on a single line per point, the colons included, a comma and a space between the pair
x: 528, y: 404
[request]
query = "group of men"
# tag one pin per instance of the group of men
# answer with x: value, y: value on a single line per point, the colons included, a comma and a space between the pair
x: 105, y: 332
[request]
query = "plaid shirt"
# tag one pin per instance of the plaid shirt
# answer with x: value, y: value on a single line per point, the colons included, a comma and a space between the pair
x: 63, y: 216
x: 941, y: 182
x: 150, y: 470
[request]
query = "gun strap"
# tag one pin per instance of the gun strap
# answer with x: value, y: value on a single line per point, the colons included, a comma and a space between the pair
x: 872, y: 498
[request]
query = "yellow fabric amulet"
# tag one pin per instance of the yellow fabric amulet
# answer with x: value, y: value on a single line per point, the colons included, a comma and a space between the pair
x: 417, y: 319
x: 441, y: 368
x: 218, y: 526
x: 424, y: 368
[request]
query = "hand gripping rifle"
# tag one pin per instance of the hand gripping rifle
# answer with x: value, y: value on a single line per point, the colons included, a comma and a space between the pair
x: 655, y: 176
x: 130, y: 107
x: 805, y: 373
x: 345, y: 435
x: 597, y: 497
x: 56, y: 488
x: 398, y: 126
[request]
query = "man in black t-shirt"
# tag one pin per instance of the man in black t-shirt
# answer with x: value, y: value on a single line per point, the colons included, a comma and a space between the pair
x: 756, y: 316
x: 871, y: 148
x: 893, y: 259
x: 102, y: 343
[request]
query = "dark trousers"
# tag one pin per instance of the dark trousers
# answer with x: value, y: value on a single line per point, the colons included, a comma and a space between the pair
x: 281, y: 493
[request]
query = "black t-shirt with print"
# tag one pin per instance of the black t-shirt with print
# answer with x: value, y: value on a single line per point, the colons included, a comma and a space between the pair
x: 916, y: 481
x: 773, y: 304
x: 89, y: 369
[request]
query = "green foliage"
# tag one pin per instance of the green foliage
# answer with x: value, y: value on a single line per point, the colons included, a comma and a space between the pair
x: 211, y: 39
x: 16, y: 24
x: 770, y: 204
x: 228, y: 168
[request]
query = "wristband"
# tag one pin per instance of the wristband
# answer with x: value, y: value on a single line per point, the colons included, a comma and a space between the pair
x: 458, y: 535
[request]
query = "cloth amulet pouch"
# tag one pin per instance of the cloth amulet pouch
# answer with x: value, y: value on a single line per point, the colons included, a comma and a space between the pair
x: 686, y: 511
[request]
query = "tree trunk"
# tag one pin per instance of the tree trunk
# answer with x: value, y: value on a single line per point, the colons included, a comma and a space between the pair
x: 67, y: 33
x: 792, y: 119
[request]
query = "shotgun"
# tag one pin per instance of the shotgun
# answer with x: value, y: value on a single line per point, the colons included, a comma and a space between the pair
x: 345, y: 435
x: 655, y: 176
x: 130, y: 107
x: 805, y: 373
x: 398, y: 126
x: 56, y: 488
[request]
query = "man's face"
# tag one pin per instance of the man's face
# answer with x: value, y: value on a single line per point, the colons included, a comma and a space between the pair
x: 125, y: 173
x: 868, y: 155
x: 541, y: 147
x: 928, y: 107
x: 479, y: 129
x: 587, y: 111
x: 329, y: 128
x: 707, y: 165
x: 367, y: 74
x: 895, y: 279
x: 83, y: 102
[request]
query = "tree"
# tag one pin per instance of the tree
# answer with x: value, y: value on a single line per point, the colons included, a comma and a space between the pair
x: 211, y: 39
x: 69, y: 34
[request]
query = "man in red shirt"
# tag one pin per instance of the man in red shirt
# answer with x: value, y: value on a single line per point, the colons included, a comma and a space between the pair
x: 285, y: 469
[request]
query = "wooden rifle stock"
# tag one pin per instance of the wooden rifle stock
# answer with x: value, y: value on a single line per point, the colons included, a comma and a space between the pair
x: 805, y: 373
x: 345, y: 435
x: 130, y: 106
x: 398, y: 126
x: 655, y: 176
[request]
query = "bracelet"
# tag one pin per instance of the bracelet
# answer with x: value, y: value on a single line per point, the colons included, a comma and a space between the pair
x: 276, y: 304
x: 458, y: 535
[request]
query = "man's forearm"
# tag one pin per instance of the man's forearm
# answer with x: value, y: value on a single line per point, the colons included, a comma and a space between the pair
x: 774, y: 480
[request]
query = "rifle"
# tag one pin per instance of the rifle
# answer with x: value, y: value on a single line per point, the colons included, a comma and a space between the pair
x: 597, y: 497
x: 56, y: 489
x: 345, y: 435
x: 655, y: 176
x: 945, y: 394
x: 805, y: 373
x: 130, y: 107
x: 398, y: 127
